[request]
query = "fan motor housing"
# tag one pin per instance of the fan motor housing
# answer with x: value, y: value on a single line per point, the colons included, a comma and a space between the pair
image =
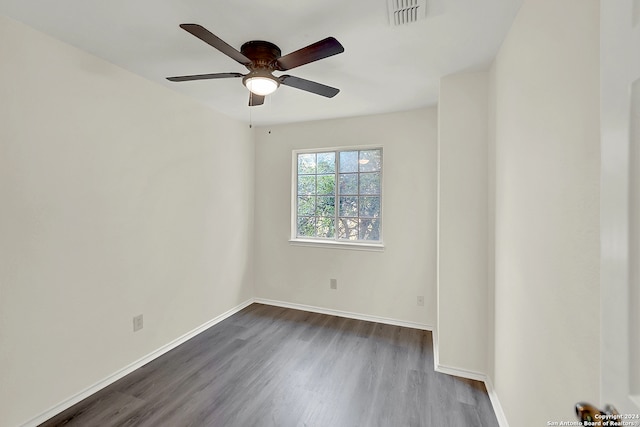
x: 262, y: 53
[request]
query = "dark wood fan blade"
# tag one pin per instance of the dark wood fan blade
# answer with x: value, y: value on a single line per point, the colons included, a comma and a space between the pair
x: 206, y: 36
x: 313, y: 52
x: 255, y: 100
x: 309, y: 86
x: 204, y: 77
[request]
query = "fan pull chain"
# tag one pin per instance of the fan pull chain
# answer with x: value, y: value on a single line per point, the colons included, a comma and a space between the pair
x: 251, y: 102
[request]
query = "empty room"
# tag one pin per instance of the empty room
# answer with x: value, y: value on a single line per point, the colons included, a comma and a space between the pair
x: 288, y: 213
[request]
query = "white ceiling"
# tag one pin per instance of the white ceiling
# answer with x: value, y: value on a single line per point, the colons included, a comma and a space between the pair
x: 383, y: 69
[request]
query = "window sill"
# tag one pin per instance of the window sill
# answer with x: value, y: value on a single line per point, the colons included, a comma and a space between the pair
x: 359, y: 246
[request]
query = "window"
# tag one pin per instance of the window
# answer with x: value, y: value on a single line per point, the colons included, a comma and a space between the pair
x: 338, y: 196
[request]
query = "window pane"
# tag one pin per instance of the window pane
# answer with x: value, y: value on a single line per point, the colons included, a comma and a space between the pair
x: 348, y: 206
x: 348, y: 161
x: 369, y: 229
x: 325, y: 227
x: 326, y: 206
x: 327, y: 162
x: 349, y: 183
x: 348, y: 229
x: 326, y: 184
x: 370, y: 207
x: 338, y: 195
x: 306, y: 205
x: 306, y: 226
x: 306, y: 163
x: 370, y: 183
x: 370, y: 160
x: 306, y: 184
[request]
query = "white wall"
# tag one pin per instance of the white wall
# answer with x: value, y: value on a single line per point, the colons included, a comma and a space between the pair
x: 373, y: 283
x: 462, y: 330
x: 118, y: 197
x: 547, y: 170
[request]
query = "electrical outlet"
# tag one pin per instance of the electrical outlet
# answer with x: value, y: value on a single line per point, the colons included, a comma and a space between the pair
x: 138, y: 323
x: 420, y: 300
x: 333, y: 283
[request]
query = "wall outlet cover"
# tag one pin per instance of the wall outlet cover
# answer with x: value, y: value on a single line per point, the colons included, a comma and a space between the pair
x: 138, y: 323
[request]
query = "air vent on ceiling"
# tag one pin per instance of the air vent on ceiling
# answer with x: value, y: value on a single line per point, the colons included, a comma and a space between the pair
x: 402, y: 12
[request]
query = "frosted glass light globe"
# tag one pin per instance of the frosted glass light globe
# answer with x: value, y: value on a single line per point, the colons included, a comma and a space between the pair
x: 261, y: 85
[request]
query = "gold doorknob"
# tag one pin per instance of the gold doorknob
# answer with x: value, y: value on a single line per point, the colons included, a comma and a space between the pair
x: 587, y: 412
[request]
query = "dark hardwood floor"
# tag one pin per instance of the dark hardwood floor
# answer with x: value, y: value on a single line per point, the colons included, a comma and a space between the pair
x: 271, y: 366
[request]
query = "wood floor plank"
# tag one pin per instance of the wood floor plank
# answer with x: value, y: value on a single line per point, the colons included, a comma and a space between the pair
x: 270, y: 366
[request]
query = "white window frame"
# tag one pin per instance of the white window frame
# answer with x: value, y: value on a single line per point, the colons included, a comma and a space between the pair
x: 364, y: 245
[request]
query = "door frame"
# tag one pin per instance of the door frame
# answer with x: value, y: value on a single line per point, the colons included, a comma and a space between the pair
x: 619, y: 68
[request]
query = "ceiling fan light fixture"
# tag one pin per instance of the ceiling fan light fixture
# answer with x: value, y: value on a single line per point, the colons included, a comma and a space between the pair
x: 262, y: 58
x: 261, y: 85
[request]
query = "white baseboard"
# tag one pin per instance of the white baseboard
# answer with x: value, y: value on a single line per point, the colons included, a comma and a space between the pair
x: 463, y: 373
x: 497, y: 408
x: 67, y: 403
x: 347, y: 314
x: 451, y: 370
x: 491, y: 391
x: 472, y: 375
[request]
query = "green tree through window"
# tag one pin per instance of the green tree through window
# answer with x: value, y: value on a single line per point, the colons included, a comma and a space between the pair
x: 339, y: 195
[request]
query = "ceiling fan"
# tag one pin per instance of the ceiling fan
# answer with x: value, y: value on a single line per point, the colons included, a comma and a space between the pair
x: 262, y: 58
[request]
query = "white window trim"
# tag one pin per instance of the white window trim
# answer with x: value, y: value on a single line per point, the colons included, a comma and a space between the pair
x: 332, y: 243
x: 338, y: 244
